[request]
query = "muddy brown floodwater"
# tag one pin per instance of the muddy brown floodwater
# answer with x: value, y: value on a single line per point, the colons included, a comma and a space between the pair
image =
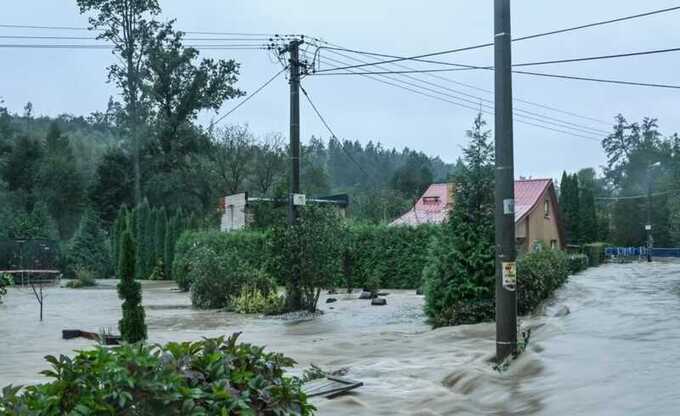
x: 616, y: 353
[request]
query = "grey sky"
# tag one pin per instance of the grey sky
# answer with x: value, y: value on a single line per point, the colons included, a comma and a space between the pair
x: 74, y: 81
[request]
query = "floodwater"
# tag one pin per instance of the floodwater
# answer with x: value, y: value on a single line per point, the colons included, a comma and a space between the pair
x: 616, y: 353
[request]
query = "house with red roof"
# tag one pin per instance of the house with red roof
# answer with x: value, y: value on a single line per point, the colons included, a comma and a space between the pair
x: 537, y: 214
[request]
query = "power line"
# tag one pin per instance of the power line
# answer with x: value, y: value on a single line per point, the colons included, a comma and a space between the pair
x: 538, y: 74
x: 323, y: 121
x: 478, y: 101
x: 469, y: 107
x: 628, y: 197
x: 80, y: 28
x: 489, y: 44
x: 600, y: 80
x: 474, y: 87
x: 602, y: 23
x: 245, y: 100
x: 109, y: 47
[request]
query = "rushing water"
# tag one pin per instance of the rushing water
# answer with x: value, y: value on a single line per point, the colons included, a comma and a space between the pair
x: 616, y: 353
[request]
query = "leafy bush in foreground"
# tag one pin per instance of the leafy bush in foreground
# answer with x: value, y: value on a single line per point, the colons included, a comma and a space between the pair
x: 209, y: 377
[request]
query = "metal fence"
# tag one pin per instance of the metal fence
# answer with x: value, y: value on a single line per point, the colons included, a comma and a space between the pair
x: 29, y: 255
x: 641, y: 252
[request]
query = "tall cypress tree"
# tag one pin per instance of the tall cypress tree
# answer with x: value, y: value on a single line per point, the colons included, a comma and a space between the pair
x: 588, y: 216
x: 141, y: 238
x: 169, y: 246
x: 132, y: 327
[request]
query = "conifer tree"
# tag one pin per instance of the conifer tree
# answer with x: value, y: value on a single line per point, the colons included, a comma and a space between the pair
x: 87, y: 249
x: 460, y: 275
x: 132, y: 327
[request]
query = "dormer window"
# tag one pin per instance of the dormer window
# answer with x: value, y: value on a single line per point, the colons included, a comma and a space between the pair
x: 430, y: 200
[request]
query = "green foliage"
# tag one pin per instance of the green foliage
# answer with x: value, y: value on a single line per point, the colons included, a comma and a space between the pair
x: 83, y: 278
x: 539, y: 274
x: 5, y: 282
x: 210, y: 377
x: 459, y: 275
x: 252, y: 300
x: 88, y: 249
x: 132, y: 326
x: 577, y: 263
x: 249, y: 247
x: 595, y: 253
x: 218, y: 278
x: 570, y: 207
x: 306, y: 256
x: 394, y: 256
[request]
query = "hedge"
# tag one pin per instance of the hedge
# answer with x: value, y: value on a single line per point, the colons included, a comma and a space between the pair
x: 395, y: 256
x: 539, y: 274
x: 210, y: 377
x: 595, y: 253
x: 250, y: 247
x: 577, y: 263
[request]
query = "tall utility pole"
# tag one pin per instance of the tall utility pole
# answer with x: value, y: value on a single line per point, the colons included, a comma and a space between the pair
x: 294, y: 185
x: 506, y: 284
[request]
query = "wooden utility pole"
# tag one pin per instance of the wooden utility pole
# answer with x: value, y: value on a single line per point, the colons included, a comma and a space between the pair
x: 294, y: 185
x: 506, y: 283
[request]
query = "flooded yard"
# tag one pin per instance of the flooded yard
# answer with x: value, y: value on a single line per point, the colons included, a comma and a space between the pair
x: 616, y: 353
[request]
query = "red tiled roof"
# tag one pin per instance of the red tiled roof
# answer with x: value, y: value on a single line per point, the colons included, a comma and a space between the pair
x: 527, y: 195
x: 434, y: 205
x: 431, y: 208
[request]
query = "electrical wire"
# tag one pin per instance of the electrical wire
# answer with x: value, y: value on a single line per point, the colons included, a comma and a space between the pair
x: 474, y: 87
x: 109, y: 47
x: 518, y: 111
x: 466, y: 106
x: 333, y: 135
x: 534, y: 36
x: 245, y: 100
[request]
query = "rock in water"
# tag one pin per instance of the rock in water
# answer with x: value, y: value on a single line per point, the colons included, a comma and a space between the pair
x: 563, y: 311
x: 331, y: 300
x: 379, y: 302
x: 366, y: 295
x: 419, y: 291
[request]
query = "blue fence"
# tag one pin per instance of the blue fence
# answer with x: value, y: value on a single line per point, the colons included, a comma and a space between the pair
x: 641, y: 252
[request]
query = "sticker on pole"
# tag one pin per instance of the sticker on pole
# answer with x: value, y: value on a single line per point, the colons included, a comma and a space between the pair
x: 508, y: 206
x: 509, y: 276
x: 299, y: 200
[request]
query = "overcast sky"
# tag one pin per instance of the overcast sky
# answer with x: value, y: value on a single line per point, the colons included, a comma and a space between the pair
x: 74, y: 81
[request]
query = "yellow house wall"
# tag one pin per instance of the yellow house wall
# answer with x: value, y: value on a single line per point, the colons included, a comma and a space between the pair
x: 541, y: 227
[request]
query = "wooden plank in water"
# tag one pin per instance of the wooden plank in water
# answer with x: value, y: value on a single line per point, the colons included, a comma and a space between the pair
x: 330, y: 387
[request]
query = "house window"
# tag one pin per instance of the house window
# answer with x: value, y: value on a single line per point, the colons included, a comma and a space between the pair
x: 546, y: 208
x: 553, y: 244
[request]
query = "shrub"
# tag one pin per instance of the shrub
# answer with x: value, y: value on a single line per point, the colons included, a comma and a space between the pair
x: 395, y: 256
x: 252, y: 300
x: 219, y: 277
x: 88, y: 248
x: 5, y: 282
x: 307, y: 256
x: 539, y: 274
x: 248, y: 246
x: 209, y: 377
x: 132, y: 326
x: 84, y: 278
x: 577, y: 263
x: 595, y: 253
